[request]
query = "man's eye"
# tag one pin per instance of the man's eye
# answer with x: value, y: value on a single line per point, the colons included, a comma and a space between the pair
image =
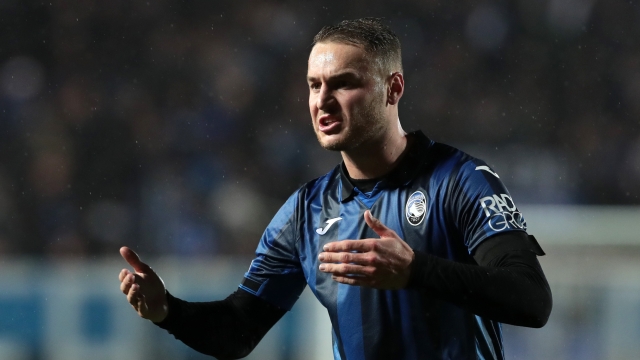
x: 314, y: 86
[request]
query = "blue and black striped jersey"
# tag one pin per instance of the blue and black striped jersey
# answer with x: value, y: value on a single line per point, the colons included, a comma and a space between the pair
x: 440, y: 201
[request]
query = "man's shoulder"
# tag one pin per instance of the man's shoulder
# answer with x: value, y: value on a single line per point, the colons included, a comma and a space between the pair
x: 458, y: 167
x: 309, y: 193
x: 448, y: 154
x: 448, y: 164
x: 434, y: 152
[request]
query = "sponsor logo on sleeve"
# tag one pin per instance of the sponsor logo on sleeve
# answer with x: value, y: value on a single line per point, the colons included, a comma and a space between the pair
x: 502, y: 213
x: 416, y: 208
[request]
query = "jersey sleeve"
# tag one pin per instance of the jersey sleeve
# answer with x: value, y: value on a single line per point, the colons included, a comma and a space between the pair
x: 275, y: 274
x: 482, y: 206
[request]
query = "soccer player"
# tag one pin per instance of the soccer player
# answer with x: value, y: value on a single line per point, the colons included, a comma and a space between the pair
x: 415, y: 248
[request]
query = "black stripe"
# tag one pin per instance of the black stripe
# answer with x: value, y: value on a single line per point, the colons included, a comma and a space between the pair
x: 536, y: 248
x: 324, y: 284
x: 251, y: 284
x: 502, y: 243
x: 456, y: 199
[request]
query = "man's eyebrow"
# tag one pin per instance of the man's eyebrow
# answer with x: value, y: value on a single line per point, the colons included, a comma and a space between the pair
x: 341, y: 75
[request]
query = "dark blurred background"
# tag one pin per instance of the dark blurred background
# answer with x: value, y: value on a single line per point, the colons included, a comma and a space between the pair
x: 180, y: 127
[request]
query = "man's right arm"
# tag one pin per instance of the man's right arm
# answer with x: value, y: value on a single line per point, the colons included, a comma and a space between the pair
x: 230, y: 328
x: 227, y: 329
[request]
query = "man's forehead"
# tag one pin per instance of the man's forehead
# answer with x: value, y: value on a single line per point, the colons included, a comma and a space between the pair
x: 337, y: 55
x: 321, y: 58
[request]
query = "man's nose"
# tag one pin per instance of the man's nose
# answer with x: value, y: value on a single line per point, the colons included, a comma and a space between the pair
x: 325, y: 98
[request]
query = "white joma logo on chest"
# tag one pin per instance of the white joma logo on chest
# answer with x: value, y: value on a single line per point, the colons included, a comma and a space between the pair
x: 322, y: 231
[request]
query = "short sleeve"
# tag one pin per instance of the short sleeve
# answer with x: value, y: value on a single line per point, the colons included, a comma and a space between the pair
x: 275, y: 274
x: 482, y: 206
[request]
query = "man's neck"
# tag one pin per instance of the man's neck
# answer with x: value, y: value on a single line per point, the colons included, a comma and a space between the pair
x: 375, y: 159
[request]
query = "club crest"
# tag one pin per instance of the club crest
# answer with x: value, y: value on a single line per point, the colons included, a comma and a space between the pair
x: 416, y: 208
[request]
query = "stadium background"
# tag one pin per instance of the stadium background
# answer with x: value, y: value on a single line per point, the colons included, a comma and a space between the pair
x: 179, y: 129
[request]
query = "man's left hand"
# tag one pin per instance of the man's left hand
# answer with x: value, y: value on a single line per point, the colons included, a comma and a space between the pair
x: 379, y: 263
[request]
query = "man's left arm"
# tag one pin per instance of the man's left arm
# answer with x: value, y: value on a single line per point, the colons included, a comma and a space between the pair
x: 507, y: 285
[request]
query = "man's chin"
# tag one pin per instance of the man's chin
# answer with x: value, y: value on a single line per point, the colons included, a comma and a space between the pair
x: 332, y: 142
x: 334, y: 147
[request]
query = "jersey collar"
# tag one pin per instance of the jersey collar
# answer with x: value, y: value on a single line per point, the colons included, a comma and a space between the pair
x: 413, y: 160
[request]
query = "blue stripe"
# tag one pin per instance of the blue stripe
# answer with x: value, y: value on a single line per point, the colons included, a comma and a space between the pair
x: 336, y: 349
x: 350, y: 321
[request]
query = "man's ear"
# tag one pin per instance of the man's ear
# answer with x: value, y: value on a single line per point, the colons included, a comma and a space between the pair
x: 395, y: 88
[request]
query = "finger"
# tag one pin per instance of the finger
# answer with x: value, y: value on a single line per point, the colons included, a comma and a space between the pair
x: 125, y: 287
x: 126, y: 283
x: 123, y: 274
x: 133, y: 296
x: 137, y: 300
x: 143, y: 308
x: 377, y: 226
x: 367, y: 258
x: 140, y: 301
x: 349, y: 245
x: 356, y: 281
x: 134, y: 260
x: 347, y: 269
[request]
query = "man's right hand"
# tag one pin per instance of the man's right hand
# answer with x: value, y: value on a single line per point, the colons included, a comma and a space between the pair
x: 144, y: 288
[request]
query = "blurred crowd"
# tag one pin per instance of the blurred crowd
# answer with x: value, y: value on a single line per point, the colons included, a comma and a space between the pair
x: 180, y: 127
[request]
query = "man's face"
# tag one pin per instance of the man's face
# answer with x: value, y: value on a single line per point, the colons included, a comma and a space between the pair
x: 347, y: 96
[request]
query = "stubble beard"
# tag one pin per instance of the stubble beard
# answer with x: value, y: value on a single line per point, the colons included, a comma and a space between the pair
x: 364, y: 126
